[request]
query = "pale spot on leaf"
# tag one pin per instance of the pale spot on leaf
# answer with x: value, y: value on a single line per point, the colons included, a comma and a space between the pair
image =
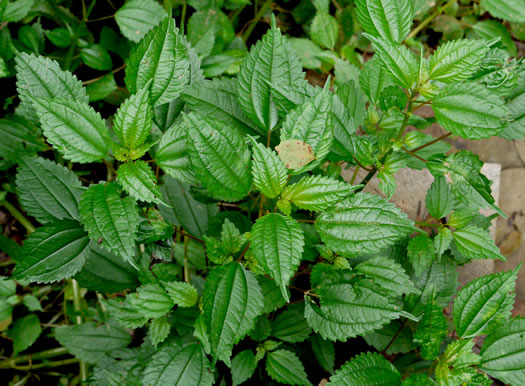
x: 295, y: 153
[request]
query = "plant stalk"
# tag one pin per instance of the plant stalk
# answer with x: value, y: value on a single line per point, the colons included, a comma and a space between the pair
x: 429, y: 19
x: 78, y: 309
x: 19, y: 216
x: 258, y: 16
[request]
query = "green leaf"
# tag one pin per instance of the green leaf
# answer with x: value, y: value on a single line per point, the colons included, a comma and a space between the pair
x: 439, y: 199
x: 374, y: 79
x: 380, y: 339
x: 60, y: 37
x: 421, y: 253
x: 455, y: 365
x: 490, y: 30
x: 38, y: 77
x: 510, y: 10
x: 401, y: 65
x: 271, y: 60
x: 366, y: 369
x: 162, y: 58
x: 111, y: 221
x: 387, y: 19
x: 172, y: 154
x: 363, y: 223
x: 470, y: 111
x: 268, y: 171
x: 101, y: 88
x: 182, y: 294
x: 159, y: 329
x: 136, y: 17
x: 503, y: 352
x: 25, y: 332
x: 277, y: 244
x: 457, y: 60
x: 106, y: 272
x: 284, y: 366
x: 324, y: 352
x: 431, y: 332
x: 484, y: 303
x: 295, y: 153
x: 291, y: 326
x: 96, y: 57
x: 74, y: 129
x: 18, y: 140
x: 220, y: 158
x: 7, y: 287
x: 53, y: 252
x: 125, y: 313
x: 32, y: 303
x: 388, y: 274
x: 273, y: 298
x: 243, y: 367
x: 324, y: 30
x: 90, y: 343
x: 138, y: 180
x: 47, y: 191
x: 176, y: 365
x: 152, y: 301
x: 232, y: 299
x: 217, y: 99
x: 346, y: 311
x: 184, y: 210
x: 17, y: 10
x: 134, y: 119
x: 317, y: 193
x: 475, y: 243
x: 442, y: 240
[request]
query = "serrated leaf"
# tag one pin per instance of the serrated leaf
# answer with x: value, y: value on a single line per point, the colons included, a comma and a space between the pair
x: 421, y: 253
x: 111, y: 221
x: 388, y: 274
x: 388, y: 19
x: 268, y: 170
x: 503, y: 352
x: 324, y: 29
x: 484, y: 303
x: 53, y: 252
x: 38, y: 77
x: 442, y: 240
x: 243, y: 367
x: 162, y: 58
x: 25, y: 332
x: 457, y: 60
x: 232, y: 299
x: 399, y: 62
x: 317, y: 193
x: 273, y: 298
x: 47, y: 191
x: 366, y: 369
x: 134, y: 119
x: 284, y: 366
x: 159, y: 329
x: 152, y: 301
x: 220, y: 158
x: 185, y: 211
x: 439, y: 200
x: 106, y: 272
x: 475, y: 243
x: 291, y: 326
x: 271, y: 60
x: 312, y: 124
x: 125, y: 313
x: 277, y: 244
x: 380, y: 339
x: 18, y: 140
x: 295, y: 154
x: 324, y: 352
x: 138, y: 181
x: 363, y: 223
x: 455, y: 365
x: 183, y: 294
x: 510, y: 10
x: 96, y: 57
x: 17, y: 10
x: 374, y: 79
x: 176, y: 365
x: 470, y: 111
x: 90, y: 343
x: 136, y: 17
x: 101, y: 88
x: 431, y: 332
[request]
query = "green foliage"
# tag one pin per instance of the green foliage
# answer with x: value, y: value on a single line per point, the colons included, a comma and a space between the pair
x: 368, y: 368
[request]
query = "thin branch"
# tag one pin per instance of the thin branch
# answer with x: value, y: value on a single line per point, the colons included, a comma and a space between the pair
x: 189, y: 236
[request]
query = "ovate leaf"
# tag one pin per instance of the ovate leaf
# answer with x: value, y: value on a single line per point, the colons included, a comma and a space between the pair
x: 232, y: 299
x: 439, y: 199
x: 152, y: 301
x: 374, y: 79
x: 176, y: 365
x: 159, y: 329
x: 18, y: 139
x: 324, y: 29
x: 284, y: 366
x: 484, y: 303
x: 324, y: 352
x: 388, y: 19
x: 53, y: 252
x: 431, y: 332
x: 295, y: 153
x: 366, y: 369
x: 111, y: 221
x: 268, y: 170
x: 421, y: 253
x: 138, y: 180
x: 470, y: 111
x: 74, y: 129
x: 510, y: 10
x: 243, y: 366
x: 277, y: 244
x: 25, y: 332
x: 220, y: 158
x: 388, y: 274
x: 48, y: 191
x: 183, y: 294
x: 363, y: 223
x: 475, y: 243
x: 162, y: 58
x: 291, y: 326
x: 136, y: 17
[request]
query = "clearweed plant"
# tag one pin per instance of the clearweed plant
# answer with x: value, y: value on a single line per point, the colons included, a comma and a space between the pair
x: 202, y: 233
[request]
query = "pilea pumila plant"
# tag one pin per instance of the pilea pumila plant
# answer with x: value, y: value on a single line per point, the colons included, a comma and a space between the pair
x: 207, y: 236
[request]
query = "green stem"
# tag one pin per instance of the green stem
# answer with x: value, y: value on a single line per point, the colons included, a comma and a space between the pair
x: 186, y: 269
x: 427, y: 21
x: 258, y: 16
x: 51, y: 353
x: 77, y: 298
x: 19, y: 216
x: 43, y: 365
x: 183, y: 17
